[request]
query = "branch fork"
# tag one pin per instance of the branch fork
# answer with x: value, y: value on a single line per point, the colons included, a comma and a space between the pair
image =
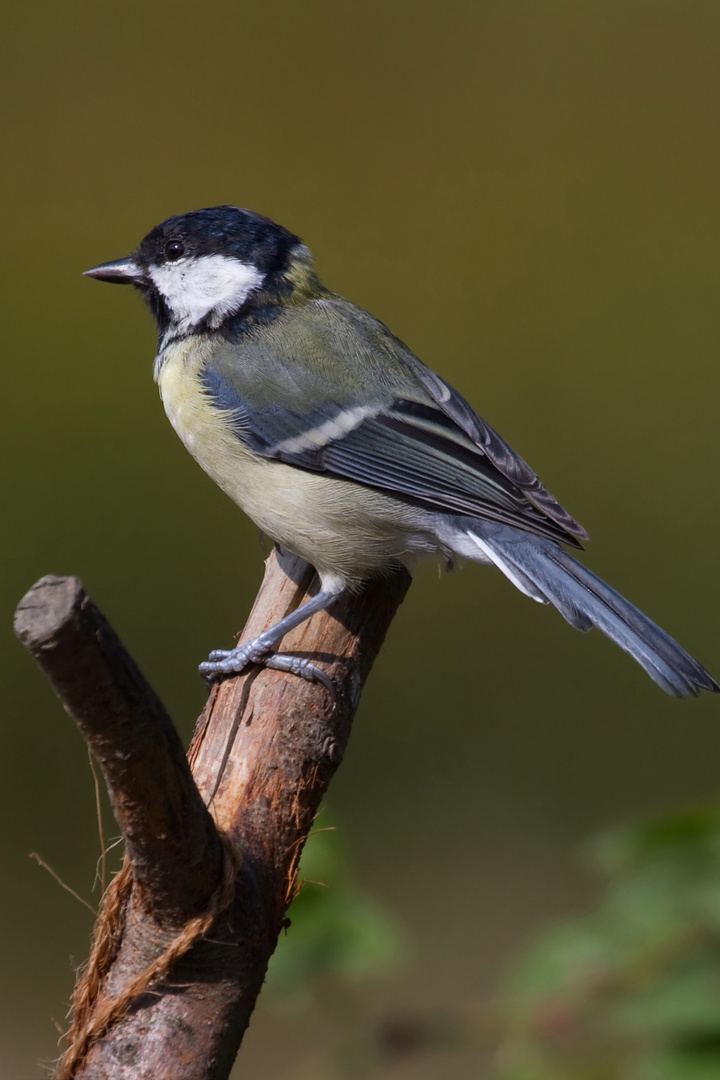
x: 213, y: 839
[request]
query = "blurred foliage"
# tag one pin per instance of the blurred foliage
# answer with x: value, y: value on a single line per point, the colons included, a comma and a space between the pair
x: 334, y: 930
x: 632, y: 991
x: 336, y: 938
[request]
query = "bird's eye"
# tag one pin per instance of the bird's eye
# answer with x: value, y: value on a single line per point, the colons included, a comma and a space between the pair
x: 174, y: 250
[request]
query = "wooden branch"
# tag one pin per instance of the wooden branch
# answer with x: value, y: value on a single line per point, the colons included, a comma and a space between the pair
x: 186, y: 930
x: 170, y: 837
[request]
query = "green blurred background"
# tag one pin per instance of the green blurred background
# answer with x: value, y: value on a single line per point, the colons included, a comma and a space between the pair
x: 527, y: 194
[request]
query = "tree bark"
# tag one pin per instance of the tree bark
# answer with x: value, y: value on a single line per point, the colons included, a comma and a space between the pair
x: 187, y: 928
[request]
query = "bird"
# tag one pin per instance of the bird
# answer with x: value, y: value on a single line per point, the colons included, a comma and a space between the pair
x: 342, y: 446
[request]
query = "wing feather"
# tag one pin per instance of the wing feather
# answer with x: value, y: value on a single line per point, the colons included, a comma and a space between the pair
x: 503, y: 457
x: 413, y: 435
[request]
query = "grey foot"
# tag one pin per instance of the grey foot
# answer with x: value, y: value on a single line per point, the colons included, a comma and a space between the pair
x: 232, y: 661
x: 297, y: 665
x: 222, y: 662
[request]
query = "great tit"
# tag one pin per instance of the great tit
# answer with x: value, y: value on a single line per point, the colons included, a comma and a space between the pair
x: 342, y: 446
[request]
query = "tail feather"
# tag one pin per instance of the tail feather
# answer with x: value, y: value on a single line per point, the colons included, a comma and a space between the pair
x: 585, y: 600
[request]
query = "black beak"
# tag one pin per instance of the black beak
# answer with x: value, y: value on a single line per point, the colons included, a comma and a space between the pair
x: 120, y: 271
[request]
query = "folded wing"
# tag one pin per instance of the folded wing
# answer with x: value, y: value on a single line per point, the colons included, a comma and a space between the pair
x: 390, y: 423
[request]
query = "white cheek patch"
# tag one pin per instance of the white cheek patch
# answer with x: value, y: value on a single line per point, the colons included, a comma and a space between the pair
x: 210, y: 286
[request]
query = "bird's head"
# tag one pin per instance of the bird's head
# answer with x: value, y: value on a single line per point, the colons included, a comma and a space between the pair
x: 201, y: 269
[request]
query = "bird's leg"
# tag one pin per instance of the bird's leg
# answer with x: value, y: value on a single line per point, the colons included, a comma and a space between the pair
x: 259, y: 650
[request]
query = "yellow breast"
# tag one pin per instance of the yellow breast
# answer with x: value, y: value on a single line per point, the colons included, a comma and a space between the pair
x: 205, y: 430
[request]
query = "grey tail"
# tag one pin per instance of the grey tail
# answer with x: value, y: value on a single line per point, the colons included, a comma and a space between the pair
x: 543, y: 570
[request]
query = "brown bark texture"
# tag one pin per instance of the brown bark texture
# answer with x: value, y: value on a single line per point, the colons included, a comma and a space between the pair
x: 213, y: 840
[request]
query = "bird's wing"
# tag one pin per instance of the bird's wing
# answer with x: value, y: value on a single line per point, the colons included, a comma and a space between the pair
x: 391, y: 424
x: 499, y: 453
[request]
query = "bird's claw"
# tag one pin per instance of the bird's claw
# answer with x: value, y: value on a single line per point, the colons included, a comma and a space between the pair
x: 218, y: 654
x: 222, y: 662
x: 232, y: 661
x: 298, y: 665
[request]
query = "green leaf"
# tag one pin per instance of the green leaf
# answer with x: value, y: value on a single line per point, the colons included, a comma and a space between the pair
x: 335, y: 931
